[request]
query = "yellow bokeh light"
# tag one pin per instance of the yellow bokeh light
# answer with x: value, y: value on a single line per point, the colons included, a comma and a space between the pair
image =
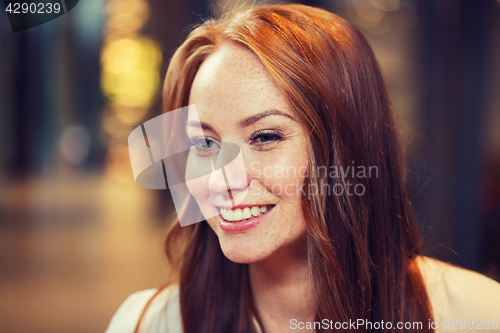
x: 130, y: 69
x: 130, y: 115
x: 130, y: 80
x: 127, y: 15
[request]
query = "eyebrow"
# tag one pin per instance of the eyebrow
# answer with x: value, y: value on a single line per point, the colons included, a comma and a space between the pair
x: 196, y: 123
x: 245, y: 122
x: 256, y: 117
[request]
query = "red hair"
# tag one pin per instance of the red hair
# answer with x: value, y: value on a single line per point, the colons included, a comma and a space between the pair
x: 360, y: 248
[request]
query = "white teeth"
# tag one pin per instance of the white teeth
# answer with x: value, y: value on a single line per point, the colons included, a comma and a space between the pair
x: 246, y: 213
x: 255, y: 211
x: 242, y: 214
x: 237, y: 215
x: 228, y: 215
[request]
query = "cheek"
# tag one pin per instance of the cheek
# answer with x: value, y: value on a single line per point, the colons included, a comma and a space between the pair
x: 284, y: 176
x: 197, y: 174
x: 198, y: 188
x: 288, y: 184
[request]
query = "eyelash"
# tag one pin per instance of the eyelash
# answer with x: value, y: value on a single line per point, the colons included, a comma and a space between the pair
x: 277, y: 136
x: 200, y: 142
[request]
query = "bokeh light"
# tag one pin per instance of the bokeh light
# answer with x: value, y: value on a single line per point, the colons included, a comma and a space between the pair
x: 74, y: 144
x: 130, y: 80
x: 130, y: 71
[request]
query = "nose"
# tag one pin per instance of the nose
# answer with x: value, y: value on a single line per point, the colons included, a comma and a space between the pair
x: 229, y: 176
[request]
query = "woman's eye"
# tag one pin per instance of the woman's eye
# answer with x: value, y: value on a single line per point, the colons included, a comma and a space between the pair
x: 264, y: 138
x: 201, y: 142
x: 203, y: 145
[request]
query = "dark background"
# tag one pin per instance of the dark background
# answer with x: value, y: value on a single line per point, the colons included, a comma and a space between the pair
x: 77, y: 236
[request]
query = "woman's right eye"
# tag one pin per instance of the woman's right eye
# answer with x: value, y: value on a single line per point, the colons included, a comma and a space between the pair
x: 203, y: 142
x: 204, y: 145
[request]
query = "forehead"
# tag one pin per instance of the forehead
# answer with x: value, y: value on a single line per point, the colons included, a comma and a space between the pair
x: 234, y: 79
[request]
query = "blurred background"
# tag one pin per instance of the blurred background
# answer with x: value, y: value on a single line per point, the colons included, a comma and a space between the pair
x: 77, y: 236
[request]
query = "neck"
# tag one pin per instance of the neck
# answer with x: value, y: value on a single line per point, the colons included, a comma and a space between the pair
x: 282, y: 288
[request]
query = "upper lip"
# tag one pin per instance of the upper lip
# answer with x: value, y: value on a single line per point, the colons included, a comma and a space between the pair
x: 243, y: 206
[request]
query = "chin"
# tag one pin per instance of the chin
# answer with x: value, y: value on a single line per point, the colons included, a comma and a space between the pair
x: 241, y: 254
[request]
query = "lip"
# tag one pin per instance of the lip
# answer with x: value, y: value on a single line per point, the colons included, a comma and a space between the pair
x: 241, y: 206
x: 243, y: 225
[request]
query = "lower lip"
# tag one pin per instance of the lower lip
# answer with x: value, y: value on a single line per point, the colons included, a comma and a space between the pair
x: 243, y: 225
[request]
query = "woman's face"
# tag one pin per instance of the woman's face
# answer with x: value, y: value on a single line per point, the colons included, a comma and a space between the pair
x: 237, y: 101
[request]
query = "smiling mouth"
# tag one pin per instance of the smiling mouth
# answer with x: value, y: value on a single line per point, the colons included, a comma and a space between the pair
x: 238, y: 214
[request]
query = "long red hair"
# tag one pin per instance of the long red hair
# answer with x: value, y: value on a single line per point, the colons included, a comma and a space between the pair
x: 360, y: 247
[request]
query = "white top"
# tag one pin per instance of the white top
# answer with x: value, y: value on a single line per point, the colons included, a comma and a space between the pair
x: 462, y: 301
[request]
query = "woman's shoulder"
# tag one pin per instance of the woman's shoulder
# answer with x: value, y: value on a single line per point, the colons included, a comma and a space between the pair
x: 162, y: 314
x: 457, y: 293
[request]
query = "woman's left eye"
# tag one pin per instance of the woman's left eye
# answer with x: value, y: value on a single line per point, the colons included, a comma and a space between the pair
x: 267, y: 137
